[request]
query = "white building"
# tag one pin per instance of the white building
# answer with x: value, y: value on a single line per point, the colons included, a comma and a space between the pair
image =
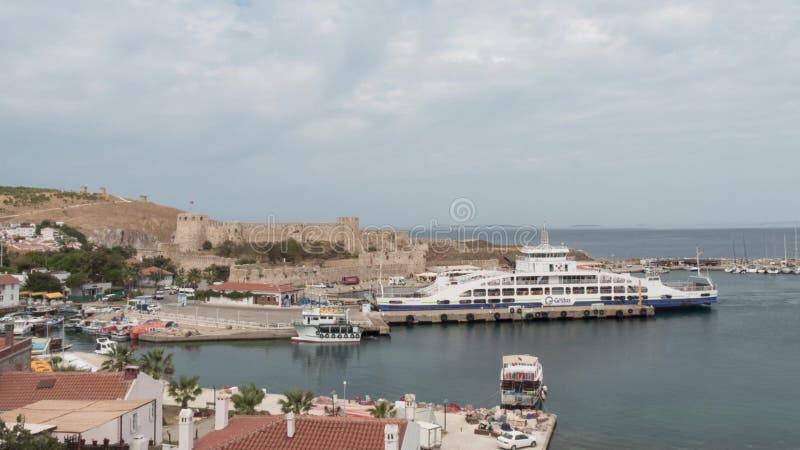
x: 51, y: 234
x: 92, y: 420
x: 23, y: 231
x: 9, y: 291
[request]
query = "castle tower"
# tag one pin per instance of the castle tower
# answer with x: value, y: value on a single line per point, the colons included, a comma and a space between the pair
x: 190, y: 232
x: 348, y: 232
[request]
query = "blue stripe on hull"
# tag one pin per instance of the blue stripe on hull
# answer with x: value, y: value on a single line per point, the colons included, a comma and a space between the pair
x: 658, y: 304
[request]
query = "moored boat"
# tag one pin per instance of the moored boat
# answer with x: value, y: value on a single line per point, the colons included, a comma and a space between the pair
x: 521, y: 382
x: 326, y: 325
x: 104, y: 346
x: 22, y: 327
x: 545, y: 277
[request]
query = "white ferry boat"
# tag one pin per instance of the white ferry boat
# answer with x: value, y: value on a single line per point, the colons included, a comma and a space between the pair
x: 326, y: 325
x: 521, y: 382
x: 545, y: 277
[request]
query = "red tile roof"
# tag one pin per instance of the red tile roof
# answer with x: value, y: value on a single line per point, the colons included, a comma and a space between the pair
x: 132, y: 261
x: 18, y: 389
x: 311, y: 433
x: 152, y: 270
x: 252, y: 287
x: 8, y: 279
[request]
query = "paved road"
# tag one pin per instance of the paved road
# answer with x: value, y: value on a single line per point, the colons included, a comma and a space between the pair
x: 259, y: 314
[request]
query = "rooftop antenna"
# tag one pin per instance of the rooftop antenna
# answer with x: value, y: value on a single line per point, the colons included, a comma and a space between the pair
x: 697, y: 249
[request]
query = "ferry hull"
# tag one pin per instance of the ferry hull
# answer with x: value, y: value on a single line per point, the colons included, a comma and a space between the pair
x: 657, y: 304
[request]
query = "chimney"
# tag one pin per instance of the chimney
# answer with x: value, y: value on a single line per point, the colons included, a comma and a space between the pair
x: 290, y: 425
x: 9, y: 334
x: 221, y: 411
x: 185, y: 430
x: 411, y: 407
x: 391, y: 433
x: 138, y: 443
x: 130, y: 373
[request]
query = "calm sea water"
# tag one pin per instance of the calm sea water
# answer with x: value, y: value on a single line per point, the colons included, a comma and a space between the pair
x: 723, y: 378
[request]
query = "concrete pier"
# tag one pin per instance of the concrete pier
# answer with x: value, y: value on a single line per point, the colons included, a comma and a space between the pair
x: 518, y: 314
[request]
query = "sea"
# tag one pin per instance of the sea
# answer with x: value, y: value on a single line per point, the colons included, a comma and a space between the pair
x: 721, y: 377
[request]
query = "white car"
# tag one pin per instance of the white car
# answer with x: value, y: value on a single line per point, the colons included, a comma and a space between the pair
x: 514, y: 439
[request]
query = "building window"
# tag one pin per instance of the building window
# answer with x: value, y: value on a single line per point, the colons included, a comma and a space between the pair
x: 135, y: 422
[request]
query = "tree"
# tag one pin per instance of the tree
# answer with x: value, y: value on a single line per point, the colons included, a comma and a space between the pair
x: 248, y: 398
x: 121, y: 355
x: 185, y: 390
x: 18, y: 438
x: 42, y: 282
x: 296, y: 401
x: 383, y: 410
x: 207, y: 245
x: 216, y: 272
x: 155, y: 364
x: 193, y: 277
x: 76, y: 280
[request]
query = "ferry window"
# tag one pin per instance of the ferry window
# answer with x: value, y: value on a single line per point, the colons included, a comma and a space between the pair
x: 494, y: 292
x: 644, y: 297
x: 465, y: 302
x: 605, y: 289
x: 619, y: 289
x: 526, y: 280
x: 494, y: 300
x: 619, y: 297
x: 536, y: 291
x: 543, y: 280
x: 508, y: 300
x: 566, y: 290
x: 577, y: 290
x: 479, y: 301
x: 605, y: 297
x: 509, y: 280
x: 558, y: 291
x: 632, y: 290
x: 393, y: 302
x: 522, y: 291
x: 508, y: 291
x: 443, y: 302
x: 644, y: 289
x: 546, y: 291
x: 632, y: 297
x: 466, y: 294
x: 479, y: 292
x: 493, y: 283
x: 591, y: 289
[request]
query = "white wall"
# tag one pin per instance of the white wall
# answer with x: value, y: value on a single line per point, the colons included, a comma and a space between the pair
x: 9, y: 295
x: 146, y: 388
x: 111, y: 429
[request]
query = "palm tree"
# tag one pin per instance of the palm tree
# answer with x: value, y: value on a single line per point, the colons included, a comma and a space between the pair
x: 382, y: 410
x: 185, y: 390
x: 246, y: 400
x: 193, y: 277
x: 121, y: 355
x: 155, y: 364
x: 296, y: 401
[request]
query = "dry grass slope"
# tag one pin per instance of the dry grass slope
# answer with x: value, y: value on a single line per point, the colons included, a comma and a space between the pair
x: 87, y: 212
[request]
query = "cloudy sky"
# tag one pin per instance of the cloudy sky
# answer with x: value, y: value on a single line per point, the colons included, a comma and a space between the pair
x: 573, y: 112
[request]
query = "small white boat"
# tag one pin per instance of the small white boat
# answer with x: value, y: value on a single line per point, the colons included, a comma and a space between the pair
x: 22, y: 327
x: 731, y: 269
x: 773, y: 270
x: 104, y: 346
x: 797, y: 270
x: 761, y: 270
x: 326, y: 325
x: 786, y: 270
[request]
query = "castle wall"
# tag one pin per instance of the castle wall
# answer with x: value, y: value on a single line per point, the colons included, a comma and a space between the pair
x: 367, y: 267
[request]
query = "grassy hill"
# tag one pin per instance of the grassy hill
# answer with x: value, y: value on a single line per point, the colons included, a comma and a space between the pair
x: 99, y: 216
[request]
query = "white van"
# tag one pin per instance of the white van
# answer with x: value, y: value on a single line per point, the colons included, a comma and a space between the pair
x: 397, y: 281
x: 188, y: 291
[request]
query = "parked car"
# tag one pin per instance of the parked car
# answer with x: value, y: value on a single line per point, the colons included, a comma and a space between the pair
x: 350, y: 281
x: 515, y: 439
x: 159, y: 295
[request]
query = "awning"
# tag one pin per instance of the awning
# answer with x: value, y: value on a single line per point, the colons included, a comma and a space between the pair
x: 38, y: 294
x: 53, y: 295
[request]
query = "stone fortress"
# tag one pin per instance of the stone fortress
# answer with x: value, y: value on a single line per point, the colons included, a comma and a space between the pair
x: 193, y: 230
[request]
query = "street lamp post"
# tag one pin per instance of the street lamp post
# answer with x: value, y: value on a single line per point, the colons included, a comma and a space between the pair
x: 344, y: 395
x: 445, y: 414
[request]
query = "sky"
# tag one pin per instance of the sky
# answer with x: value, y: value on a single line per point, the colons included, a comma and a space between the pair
x: 613, y: 113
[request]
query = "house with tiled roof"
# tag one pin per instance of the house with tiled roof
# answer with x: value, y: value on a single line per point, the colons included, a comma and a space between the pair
x: 306, y: 432
x: 19, y: 389
x: 155, y: 276
x: 256, y: 294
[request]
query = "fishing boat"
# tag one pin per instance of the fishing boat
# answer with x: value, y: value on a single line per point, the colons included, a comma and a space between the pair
x: 120, y: 335
x: 521, y: 382
x: 104, y: 346
x: 74, y: 324
x: 326, y: 325
x: 545, y: 277
x: 148, y: 326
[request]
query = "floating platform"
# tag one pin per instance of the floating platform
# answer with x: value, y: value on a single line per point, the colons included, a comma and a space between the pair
x: 518, y: 314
